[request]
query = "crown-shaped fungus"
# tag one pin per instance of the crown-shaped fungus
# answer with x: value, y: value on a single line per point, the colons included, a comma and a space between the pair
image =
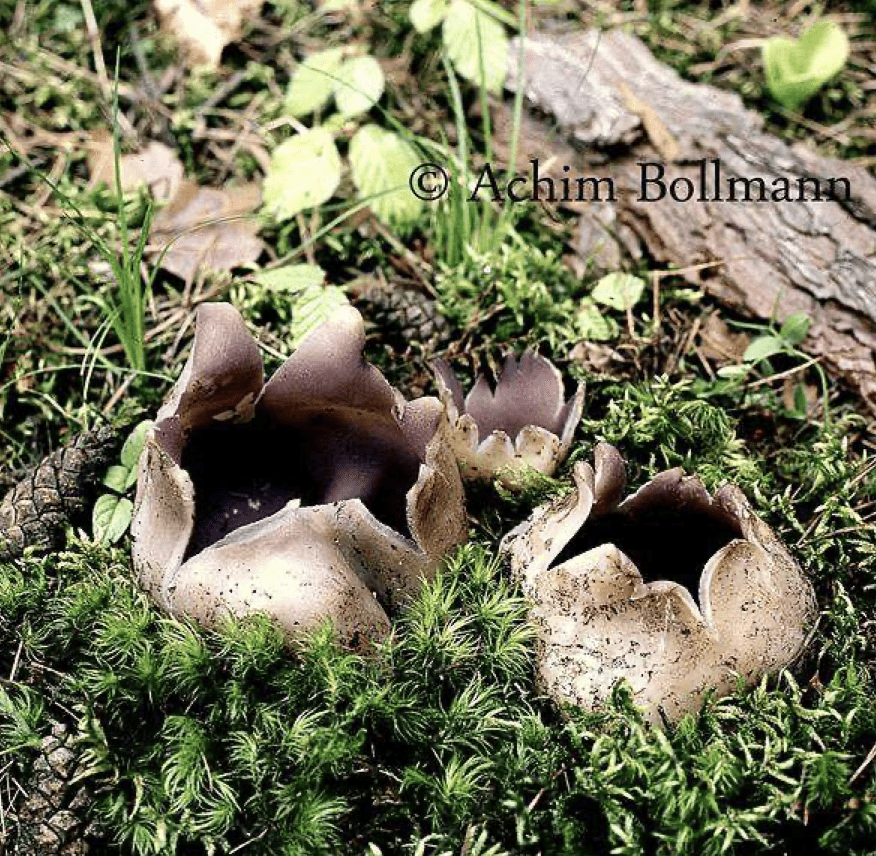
x: 612, y: 585
x: 321, y: 494
x: 525, y: 423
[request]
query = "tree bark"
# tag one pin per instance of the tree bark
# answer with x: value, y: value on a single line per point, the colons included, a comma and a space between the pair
x: 616, y: 108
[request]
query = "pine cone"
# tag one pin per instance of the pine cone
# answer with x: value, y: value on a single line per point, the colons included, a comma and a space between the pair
x: 402, y: 313
x: 35, y: 511
x: 51, y: 819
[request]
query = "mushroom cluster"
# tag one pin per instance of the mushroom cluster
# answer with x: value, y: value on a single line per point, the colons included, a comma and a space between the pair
x: 321, y: 494
x: 524, y: 424
x: 613, y: 585
x: 324, y: 495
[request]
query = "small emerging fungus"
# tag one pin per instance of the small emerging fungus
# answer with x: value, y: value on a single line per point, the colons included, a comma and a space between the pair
x: 618, y: 603
x: 321, y: 494
x: 524, y: 423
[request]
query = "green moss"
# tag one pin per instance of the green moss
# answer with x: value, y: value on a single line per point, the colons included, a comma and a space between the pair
x: 517, y: 293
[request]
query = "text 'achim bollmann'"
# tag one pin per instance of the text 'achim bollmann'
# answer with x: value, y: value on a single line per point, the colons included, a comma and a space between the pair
x: 708, y: 184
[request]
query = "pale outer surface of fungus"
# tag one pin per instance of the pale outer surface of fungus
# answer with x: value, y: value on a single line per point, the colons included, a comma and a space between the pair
x: 600, y: 621
x: 219, y: 525
x: 524, y: 424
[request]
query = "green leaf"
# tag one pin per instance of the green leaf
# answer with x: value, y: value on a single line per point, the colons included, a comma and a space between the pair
x: 473, y: 39
x: 797, y: 69
x: 618, y: 291
x: 801, y: 404
x: 133, y: 447
x: 304, y: 172
x: 592, y: 325
x: 335, y: 122
x: 687, y: 295
x: 762, y: 348
x: 111, y: 518
x: 132, y: 450
x: 313, y: 82
x: 426, y: 14
x: 382, y: 163
x: 312, y: 301
x: 733, y: 371
x: 360, y: 86
x: 494, y: 10
x: 116, y: 478
x: 795, y: 328
x: 120, y: 477
x: 313, y: 305
x: 291, y: 277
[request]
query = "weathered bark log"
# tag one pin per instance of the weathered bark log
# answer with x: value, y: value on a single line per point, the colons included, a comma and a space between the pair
x: 619, y: 108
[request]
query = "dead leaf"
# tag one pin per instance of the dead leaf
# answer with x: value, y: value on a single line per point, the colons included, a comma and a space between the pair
x: 719, y: 344
x: 194, y: 244
x: 156, y: 166
x: 595, y: 356
x: 203, y: 27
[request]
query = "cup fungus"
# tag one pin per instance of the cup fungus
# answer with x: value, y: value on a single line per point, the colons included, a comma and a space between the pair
x: 525, y: 422
x: 618, y: 603
x: 321, y: 494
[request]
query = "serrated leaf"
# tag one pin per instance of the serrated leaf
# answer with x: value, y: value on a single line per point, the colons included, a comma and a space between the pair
x: 360, y: 86
x: 618, y: 291
x: 291, y: 277
x: 116, y: 478
x: 313, y: 82
x: 382, y: 163
x: 426, y: 14
x: 795, y: 327
x: 313, y: 305
x: 762, y: 348
x: 592, y: 325
x: 304, y: 172
x: 797, y: 68
x: 312, y: 302
x: 111, y: 518
x: 474, y: 40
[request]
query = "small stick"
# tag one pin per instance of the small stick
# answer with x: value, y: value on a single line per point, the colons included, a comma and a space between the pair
x: 784, y: 374
x: 655, y: 292
x: 96, y: 47
x: 864, y: 764
x: 116, y: 397
x: 16, y: 661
